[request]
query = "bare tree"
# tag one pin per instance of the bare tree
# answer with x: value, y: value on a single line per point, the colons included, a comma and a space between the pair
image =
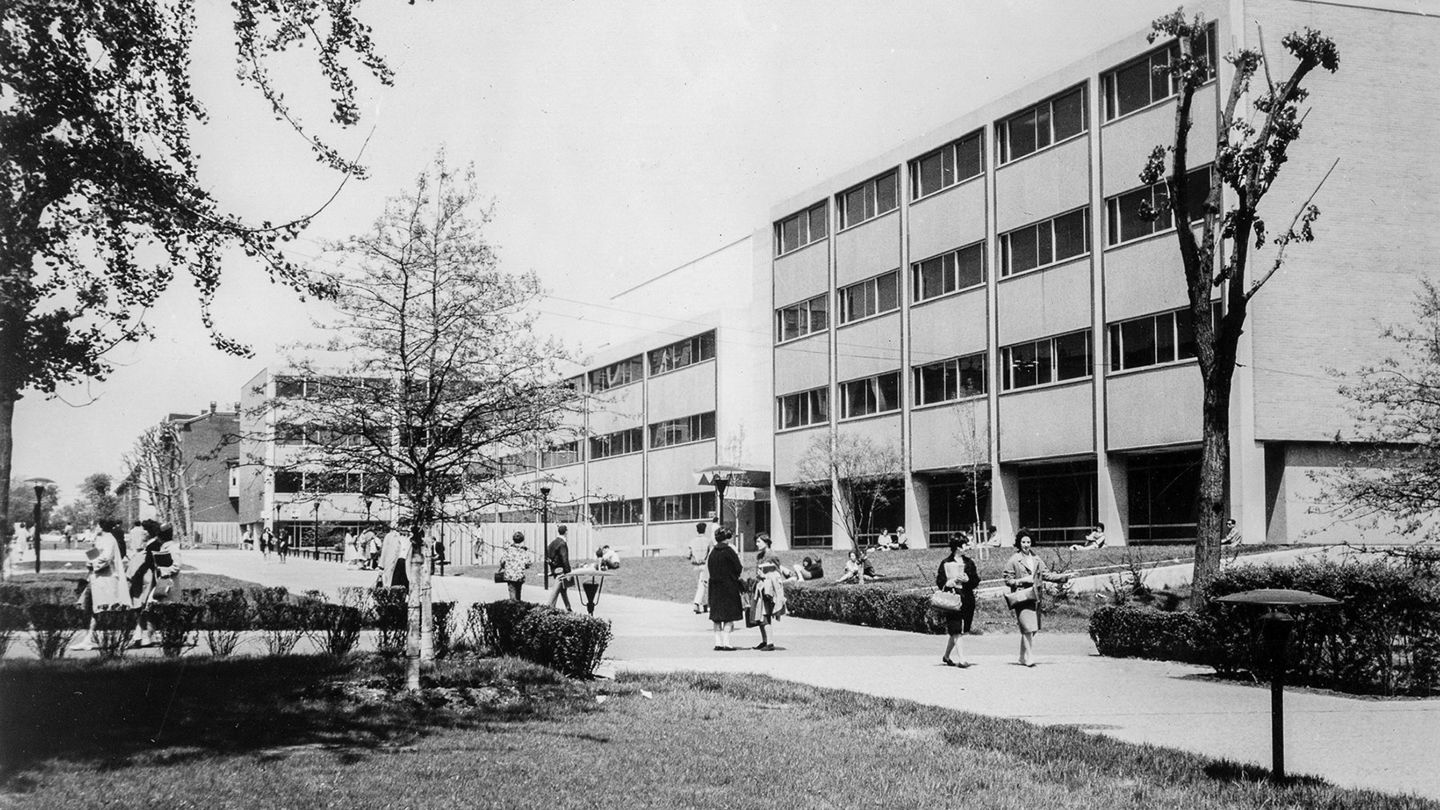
x: 865, y: 476
x: 161, y: 471
x: 430, y: 375
x: 1250, y: 151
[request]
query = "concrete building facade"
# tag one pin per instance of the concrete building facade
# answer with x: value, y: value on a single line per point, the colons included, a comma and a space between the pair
x: 986, y: 299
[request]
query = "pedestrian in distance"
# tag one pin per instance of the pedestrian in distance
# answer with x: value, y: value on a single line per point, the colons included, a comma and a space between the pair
x: 699, y: 552
x: 513, y: 564
x: 957, y: 574
x: 1025, y: 573
x: 557, y: 559
x: 726, y: 606
x: 1094, y: 541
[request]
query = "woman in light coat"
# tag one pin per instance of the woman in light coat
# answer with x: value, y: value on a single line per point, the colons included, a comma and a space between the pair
x: 1025, y: 569
x: 513, y: 563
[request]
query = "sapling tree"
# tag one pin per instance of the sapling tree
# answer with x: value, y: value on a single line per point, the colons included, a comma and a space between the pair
x: 862, y: 475
x: 1251, y: 149
x: 431, y: 373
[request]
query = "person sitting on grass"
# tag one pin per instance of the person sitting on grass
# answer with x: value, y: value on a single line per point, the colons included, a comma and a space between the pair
x: 809, y: 568
x: 1093, y: 541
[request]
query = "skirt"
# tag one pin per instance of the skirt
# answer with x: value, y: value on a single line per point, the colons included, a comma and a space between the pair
x: 1027, y: 618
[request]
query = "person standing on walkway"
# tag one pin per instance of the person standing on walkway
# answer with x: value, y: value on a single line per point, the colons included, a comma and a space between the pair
x: 700, y: 546
x: 267, y: 542
x: 107, y: 586
x: 394, y: 560
x: 282, y: 546
x: 768, y: 600
x: 725, y: 569
x: 513, y: 564
x: 557, y: 559
x: 957, y: 574
x: 1025, y: 572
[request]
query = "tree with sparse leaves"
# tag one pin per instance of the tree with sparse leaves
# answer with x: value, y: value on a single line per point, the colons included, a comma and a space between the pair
x: 103, y: 204
x: 431, y: 374
x: 1250, y: 152
x: 862, y: 476
x: 1395, y: 475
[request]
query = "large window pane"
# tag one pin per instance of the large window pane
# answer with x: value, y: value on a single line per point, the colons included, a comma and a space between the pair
x: 1070, y: 236
x: 1072, y: 356
x: 1069, y: 114
x: 886, y: 193
x: 970, y: 266
x: 1137, y: 341
x: 887, y: 289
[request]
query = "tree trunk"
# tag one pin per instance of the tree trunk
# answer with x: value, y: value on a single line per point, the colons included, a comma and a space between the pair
x: 420, y: 642
x: 7, y: 445
x: 1214, y: 478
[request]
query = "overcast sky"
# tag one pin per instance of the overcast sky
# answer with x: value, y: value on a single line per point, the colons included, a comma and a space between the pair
x: 617, y: 139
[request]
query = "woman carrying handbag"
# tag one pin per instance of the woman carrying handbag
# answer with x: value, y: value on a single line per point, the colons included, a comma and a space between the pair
x: 1024, y: 572
x: 957, y: 575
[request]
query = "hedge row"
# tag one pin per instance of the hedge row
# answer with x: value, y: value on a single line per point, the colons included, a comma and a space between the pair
x: 1383, y: 638
x: 570, y: 643
x: 866, y: 605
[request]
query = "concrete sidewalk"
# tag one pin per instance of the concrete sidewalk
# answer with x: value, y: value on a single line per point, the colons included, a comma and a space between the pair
x: 1385, y: 745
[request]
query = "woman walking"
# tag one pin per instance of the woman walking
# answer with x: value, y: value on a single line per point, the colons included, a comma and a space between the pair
x: 107, y: 587
x: 724, y: 567
x: 768, y: 600
x: 513, y: 564
x: 1024, y: 573
x: 957, y: 574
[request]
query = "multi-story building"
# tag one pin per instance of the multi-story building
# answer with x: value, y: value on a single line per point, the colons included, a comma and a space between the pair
x: 987, y: 298
x: 687, y: 394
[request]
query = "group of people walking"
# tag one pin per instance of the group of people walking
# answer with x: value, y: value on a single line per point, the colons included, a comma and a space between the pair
x: 130, y: 570
x: 517, y: 559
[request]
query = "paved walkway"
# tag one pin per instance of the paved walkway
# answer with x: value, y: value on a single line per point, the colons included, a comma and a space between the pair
x: 1382, y: 745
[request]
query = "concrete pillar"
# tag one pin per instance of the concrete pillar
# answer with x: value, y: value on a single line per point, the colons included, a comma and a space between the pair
x: 780, y: 517
x: 917, y: 511
x: 1005, y: 501
x: 840, y: 538
x: 1114, y: 495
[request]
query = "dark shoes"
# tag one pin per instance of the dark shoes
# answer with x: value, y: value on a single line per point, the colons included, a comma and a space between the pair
x: 765, y: 647
x: 718, y: 648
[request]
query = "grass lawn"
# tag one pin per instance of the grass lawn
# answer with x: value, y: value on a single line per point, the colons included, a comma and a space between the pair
x: 311, y: 732
x: 189, y: 578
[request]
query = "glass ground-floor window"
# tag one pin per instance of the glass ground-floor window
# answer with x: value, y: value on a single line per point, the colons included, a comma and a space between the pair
x: 1057, y: 501
x: 957, y: 505
x: 1161, y: 495
x: 810, y: 520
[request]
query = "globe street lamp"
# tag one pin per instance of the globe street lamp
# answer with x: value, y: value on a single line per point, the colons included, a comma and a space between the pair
x: 543, y: 484
x: 721, y: 476
x: 39, y: 484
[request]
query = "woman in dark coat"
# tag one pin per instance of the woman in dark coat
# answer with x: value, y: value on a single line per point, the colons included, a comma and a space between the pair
x: 725, y: 569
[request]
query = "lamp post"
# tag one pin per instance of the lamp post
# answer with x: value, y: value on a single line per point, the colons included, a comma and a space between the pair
x: 721, y: 476
x: 545, y: 533
x: 1275, y: 627
x: 315, y: 532
x: 39, y: 484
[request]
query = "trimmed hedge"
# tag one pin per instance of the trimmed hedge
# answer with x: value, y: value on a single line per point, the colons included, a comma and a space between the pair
x: 1138, y: 631
x: 1384, y: 637
x: 570, y: 643
x: 867, y: 605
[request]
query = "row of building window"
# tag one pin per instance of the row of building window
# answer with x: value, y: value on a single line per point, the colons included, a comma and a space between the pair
x: 686, y: 429
x: 1130, y: 87
x: 677, y: 355
x: 1136, y: 343
x: 1131, y: 215
x: 663, y: 509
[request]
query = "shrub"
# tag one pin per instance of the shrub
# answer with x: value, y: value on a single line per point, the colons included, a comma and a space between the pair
x: 281, y: 622
x: 39, y: 593
x: 52, y: 627
x: 12, y: 618
x: 339, y: 627
x: 570, y: 643
x: 472, y: 635
x: 871, y: 606
x: 1134, y: 631
x: 391, y: 618
x: 442, y: 615
x: 502, y: 626
x: 227, y: 616
x: 1383, y: 638
x: 176, y: 623
x: 112, y: 631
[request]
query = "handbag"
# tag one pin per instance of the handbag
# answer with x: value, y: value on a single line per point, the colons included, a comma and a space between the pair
x: 1025, y: 594
x: 499, y: 574
x: 946, y: 601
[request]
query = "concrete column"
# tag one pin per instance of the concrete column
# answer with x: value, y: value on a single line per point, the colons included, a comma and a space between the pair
x: 917, y: 511
x: 1114, y: 494
x: 780, y: 517
x: 1005, y: 501
x: 839, y: 532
